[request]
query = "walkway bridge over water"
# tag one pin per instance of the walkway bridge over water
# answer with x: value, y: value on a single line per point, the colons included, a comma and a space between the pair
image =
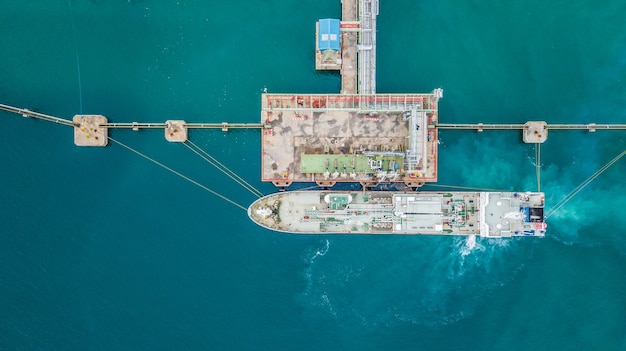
x: 592, y: 127
x: 349, y: 102
x: 329, y: 102
x: 225, y: 126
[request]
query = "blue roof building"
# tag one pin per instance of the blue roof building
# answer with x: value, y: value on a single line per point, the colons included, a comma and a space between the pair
x: 329, y: 34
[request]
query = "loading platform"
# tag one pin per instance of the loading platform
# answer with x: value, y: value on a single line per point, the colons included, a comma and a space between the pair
x: 328, y: 138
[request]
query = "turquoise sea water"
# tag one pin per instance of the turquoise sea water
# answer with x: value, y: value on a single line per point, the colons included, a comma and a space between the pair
x: 102, y: 250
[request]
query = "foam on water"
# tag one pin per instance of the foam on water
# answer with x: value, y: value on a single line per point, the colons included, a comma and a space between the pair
x: 310, y: 261
x: 80, y: 84
x: 396, y: 282
x: 469, y: 245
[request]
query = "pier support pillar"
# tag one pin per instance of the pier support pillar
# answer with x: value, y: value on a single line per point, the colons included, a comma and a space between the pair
x: 176, y: 131
x: 535, y: 132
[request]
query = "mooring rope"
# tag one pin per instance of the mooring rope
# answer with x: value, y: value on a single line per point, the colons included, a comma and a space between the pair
x: 222, y: 168
x: 178, y: 174
x: 80, y: 85
x: 580, y: 187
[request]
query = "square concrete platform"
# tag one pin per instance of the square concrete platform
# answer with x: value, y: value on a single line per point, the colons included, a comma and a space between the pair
x: 176, y: 131
x: 535, y: 132
x: 88, y: 130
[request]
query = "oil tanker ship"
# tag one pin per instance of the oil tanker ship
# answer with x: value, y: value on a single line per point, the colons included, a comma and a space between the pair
x: 486, y: 214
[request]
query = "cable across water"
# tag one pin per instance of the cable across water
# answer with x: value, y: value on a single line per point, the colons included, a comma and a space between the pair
x: 538, y: 165
x: 464, y: 187
x: 217, y: 164
x: 80, y: 85
x: 576, y: 190
x: 178, y: 174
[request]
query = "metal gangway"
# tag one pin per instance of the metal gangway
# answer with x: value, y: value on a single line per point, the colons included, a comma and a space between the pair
x: 222, y: 125
x: 130, y: 125
x: 592, y: 127
x: 368, y: 10
x: 28, y: 113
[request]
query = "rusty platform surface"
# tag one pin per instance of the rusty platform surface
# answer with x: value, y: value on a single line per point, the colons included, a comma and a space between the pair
x: 334, y: 134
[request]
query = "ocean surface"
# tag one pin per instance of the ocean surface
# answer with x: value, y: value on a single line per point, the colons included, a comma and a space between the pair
x: 101, y: 249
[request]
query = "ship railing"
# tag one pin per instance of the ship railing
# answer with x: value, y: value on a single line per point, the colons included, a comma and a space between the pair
x: 371, y: 208
x: 349, y: 211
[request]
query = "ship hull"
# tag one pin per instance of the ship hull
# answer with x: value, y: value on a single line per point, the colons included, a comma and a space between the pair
x: 487, y: 214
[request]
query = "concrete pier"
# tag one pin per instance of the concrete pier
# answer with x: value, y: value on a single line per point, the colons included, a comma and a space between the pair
x: 368, y: 10
x: 357, y: 135
x: 349, y: 13
x: 335, y: 138
x: 358, y: 46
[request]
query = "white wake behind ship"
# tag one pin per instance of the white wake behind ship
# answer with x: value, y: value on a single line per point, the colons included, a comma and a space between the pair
x: 487, y: 214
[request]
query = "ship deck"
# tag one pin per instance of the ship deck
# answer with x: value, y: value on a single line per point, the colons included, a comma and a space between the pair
x: 488, y: 214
